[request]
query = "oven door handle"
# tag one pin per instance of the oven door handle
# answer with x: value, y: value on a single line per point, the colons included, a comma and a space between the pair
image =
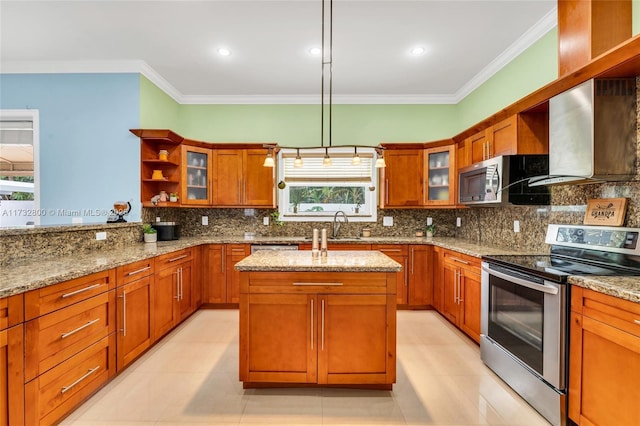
x: 535, y: 286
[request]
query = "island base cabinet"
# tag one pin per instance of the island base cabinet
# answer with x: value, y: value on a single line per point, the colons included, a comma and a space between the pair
x: 12, y: 376
x: 604, y: 360
x: 54, y: 394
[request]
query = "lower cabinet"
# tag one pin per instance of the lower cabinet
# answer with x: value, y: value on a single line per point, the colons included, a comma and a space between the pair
x: 420, y: 278
x: 134, y: 328
x: 234, y: 254
x: 399, y: 253
x: 12, y: 376
x: 459, y: 289
x: 214, y: 274
x: 317, y: 337
x: 604, y: 359
x: 172, y: 291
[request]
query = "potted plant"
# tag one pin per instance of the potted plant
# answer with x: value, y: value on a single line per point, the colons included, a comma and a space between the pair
x: 150, y: 234
x: 173, y: 197
x: 430, y: 230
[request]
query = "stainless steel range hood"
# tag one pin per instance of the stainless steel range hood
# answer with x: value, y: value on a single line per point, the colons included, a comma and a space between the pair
x: 592, y: 133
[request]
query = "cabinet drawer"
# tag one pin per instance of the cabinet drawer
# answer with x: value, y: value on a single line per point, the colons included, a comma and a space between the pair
x: 11, y: 312
x: 134, y: 271
x: 173, y: 258
x: 618, y: 313
x: 312, y: 282
x: 55, y: 393
x: 392, y: 249
x: 52, y: 338
x: 48, y: 299
x: 460, y: 259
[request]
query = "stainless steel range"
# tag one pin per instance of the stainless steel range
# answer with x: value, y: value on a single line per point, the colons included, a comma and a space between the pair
x: 525, y: 308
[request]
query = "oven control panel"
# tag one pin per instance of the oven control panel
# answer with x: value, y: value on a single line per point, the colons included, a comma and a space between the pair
x: 622, y: 240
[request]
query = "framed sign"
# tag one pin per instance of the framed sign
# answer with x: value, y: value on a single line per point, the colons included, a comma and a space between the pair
x: 606, y: 211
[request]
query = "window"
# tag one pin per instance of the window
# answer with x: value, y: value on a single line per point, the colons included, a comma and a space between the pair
x: 315, y: 191
x: 19, y: 178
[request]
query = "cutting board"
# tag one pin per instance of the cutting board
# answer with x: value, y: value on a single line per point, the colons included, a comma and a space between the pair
x: 606, y: 211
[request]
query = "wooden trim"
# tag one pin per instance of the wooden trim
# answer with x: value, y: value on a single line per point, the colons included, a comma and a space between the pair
x: 11, y: 311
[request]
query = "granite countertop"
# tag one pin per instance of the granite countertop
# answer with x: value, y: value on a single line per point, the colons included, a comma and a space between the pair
x: 303, y: 261
x: 627, y: 288
x: 37, y: 272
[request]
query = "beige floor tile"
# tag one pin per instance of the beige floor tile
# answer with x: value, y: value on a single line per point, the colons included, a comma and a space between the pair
x: 191, y: 378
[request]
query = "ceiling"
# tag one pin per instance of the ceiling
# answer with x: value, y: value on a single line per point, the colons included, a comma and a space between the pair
x: 174, y: 43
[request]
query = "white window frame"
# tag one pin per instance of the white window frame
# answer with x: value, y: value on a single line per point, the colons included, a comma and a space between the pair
x: 34, y: 116
x: 370, y: 210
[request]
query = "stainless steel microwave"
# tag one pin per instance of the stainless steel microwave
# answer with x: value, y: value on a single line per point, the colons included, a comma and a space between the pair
x: 504, y: 180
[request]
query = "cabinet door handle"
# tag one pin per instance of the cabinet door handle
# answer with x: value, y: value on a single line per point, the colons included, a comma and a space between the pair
x: 460, y: 299
x: 332, y: 284
x: 312, y: 324
x: 181, y: 284
x: 146, y: 268
x: 82, y: 290
x: 322, y: 324
x: 455, y: 259
x: 65, y: 389
x: 457, y: 287
x: 178, y: 258
x: 177, y: 296
x: 489, y: 149
x: 82, y: 327
x: 636, y: 322
x: 124, y: 314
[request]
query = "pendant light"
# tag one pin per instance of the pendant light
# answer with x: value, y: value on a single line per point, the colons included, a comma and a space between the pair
x: 297, y: 163
x: 355, y: 160
x: 327, y: 160
x: 268, y: 160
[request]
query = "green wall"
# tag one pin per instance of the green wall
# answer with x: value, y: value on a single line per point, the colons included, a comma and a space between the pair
x: 532, y: 69
x: 635, y: 5
x: 157, y: 109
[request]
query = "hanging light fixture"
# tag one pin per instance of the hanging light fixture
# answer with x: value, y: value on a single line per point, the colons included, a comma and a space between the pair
x: 355, y: 160
x: 297, y: 163
x: 326, y: 53
x: 268, y: 160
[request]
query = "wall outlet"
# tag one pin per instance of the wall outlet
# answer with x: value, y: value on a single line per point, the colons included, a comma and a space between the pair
x: 101, y: 236
x: 387, y: 221
x: 516, y: 226
x: 205, y: 220
x: 458, y: 222
x: 429, y: 221
x: 157, y: 218
x: 265, y: 220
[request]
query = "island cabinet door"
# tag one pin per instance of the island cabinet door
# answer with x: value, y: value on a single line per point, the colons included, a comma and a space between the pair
x: 356, y: 339
x: 278, y: 338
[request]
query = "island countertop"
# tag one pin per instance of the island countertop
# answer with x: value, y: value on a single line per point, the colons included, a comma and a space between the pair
x: 335, y: 261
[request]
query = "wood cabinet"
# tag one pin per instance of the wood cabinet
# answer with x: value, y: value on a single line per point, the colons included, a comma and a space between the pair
x: 214, y: 276
x: 441, y: 175
x: 526, y: 133
x: 604, y: 359
x: 460, y: 291
x: 419, y: 272
x: 69, y: 345
x: 587, y: 29
x: 317, y: 333
x: 172, y: 291
x: 168, y: 179
x: 438, y: 280
x: 240, y: 179
x: 234, y: 254
x: 196, y: 176
x: 402, y: 180
x: 399, y: 253
x: 134, y: 303
x: 11, y: 361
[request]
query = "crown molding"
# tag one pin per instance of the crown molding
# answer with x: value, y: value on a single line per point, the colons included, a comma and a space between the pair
x: 535, y: 33
x: 542, y: 27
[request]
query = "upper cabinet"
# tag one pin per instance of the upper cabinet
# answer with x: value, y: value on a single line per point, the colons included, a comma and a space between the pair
x: 416, y: 176
x: 196, y: 176
x: 202, y: 174
x: 240, y: 179
x: 526, y: 133
x: 588, y: 28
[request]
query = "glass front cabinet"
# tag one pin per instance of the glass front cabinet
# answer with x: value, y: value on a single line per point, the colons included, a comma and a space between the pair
x: 439, y: 164
x: 196, y: 176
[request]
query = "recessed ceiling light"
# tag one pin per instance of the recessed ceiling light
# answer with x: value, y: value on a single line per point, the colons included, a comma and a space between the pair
x: 417, y: 51
x: 315, y: 51
x: 224, y: 51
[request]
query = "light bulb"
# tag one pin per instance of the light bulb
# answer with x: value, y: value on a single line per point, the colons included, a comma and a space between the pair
x: 268, y: 161
x: 380, y: 162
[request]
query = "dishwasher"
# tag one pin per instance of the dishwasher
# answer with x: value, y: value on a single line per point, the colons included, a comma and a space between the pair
x: 286, y: 247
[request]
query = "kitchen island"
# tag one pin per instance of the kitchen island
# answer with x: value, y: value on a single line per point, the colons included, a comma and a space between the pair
x: 308, y: 321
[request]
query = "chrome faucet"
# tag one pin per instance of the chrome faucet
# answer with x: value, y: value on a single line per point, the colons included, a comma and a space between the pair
x: 336, y: 224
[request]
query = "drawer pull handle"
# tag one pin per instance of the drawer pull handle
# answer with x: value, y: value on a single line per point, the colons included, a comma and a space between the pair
x: 146, y: 268
x: 389, y: 250
x: 82, y: 327
x: 333, y: 284
x: 178, y: 258
x: 90, y: 372
x: 636, y: 322
x: 82, y: 290
x: 455, y: 259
